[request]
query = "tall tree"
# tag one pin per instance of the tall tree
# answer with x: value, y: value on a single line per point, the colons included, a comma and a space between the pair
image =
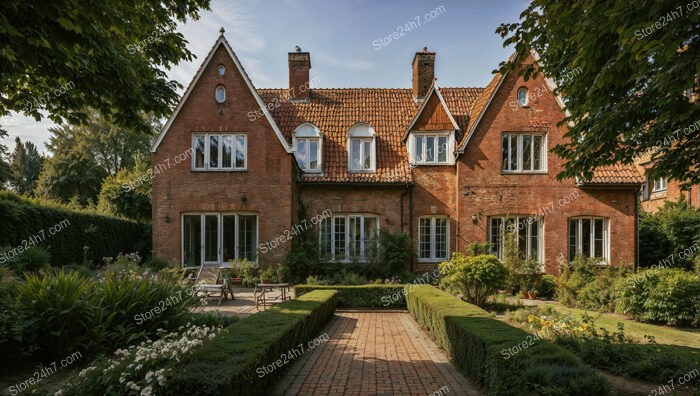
x: 83, y: 155
x: 26, y: 164
x: 58, y: 58
x: 4, y: 166
x: 628, y: 72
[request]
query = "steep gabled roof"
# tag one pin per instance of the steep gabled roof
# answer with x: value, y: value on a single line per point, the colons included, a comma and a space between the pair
x: 618, y: 174
x: 433, y: 90
x: 221, y: 41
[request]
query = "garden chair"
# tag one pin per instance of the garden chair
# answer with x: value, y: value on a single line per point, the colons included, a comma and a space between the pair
x: 211, y: 284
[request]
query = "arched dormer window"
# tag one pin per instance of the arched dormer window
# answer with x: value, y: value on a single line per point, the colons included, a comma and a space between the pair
x: 362, y: 152
x: 307, y: 141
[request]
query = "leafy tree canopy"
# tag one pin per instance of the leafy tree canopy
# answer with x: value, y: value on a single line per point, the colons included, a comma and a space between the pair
x: 627, y: 71
x: 128, y: 192
x: 58, y: 58
x: 4, y: 166
x: 25, y: 166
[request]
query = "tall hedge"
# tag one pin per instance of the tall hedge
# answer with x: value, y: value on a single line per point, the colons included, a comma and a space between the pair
x: 22, y: 219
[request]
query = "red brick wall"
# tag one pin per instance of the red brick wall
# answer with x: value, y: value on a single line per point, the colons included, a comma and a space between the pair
x: 267, y: 184
x: 484, y: 191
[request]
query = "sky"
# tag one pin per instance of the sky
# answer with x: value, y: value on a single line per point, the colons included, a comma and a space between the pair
x: 352, y: 43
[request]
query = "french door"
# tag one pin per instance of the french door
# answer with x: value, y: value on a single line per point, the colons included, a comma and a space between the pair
x: 217, y: 238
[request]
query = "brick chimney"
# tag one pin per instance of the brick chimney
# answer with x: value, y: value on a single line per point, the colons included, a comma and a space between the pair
x: 423, y: 73
x: 299, y: 65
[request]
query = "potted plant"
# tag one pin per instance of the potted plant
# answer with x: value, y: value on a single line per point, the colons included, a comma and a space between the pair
x: 235, y: 277
x: 532, y: 294
x: 267, y: 276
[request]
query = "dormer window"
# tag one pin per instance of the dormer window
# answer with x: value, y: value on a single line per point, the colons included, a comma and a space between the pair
x: 362, y: 148
x: 432, y: 148
x: 220, y: 94
x: 307, y: 141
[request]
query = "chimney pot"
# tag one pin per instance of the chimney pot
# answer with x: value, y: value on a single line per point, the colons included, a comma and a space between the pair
x: 423, y: 73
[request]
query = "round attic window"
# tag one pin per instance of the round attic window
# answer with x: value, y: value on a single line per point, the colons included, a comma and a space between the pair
x: 221, y: 70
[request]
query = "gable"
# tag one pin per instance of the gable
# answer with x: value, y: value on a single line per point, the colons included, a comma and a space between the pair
x: 222, y: 48
x: 434, y: 117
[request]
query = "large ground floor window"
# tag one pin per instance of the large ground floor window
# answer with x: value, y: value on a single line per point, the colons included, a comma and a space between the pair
x: 216, y: 238
x: 433, y: 237
x: 529, y: 235
x: 348, y: 237
x: 588, y: 236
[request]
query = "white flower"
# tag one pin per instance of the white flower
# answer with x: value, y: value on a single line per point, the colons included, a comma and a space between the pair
x: 147, y: 391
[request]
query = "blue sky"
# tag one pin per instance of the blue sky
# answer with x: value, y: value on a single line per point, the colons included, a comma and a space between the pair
x: 350, y: 43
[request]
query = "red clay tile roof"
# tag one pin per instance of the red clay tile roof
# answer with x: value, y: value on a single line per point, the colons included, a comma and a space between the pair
x: 616, y: 174
x: 334, y: 111
x: 480, y: 104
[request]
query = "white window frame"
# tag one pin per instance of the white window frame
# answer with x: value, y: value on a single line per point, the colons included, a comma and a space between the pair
x: 527, y: 97
x: 207, y: 152
x: 660, y: 184
x: 433, y: 240
x: 219, y: 88
x: 220, y: 236
x: 413, y: 147
x: 308, y: 132
x: 519, y: 153
x: 347, y: 258
x: 528, y: 234
x: 363, y: 133
x: 579, y: 237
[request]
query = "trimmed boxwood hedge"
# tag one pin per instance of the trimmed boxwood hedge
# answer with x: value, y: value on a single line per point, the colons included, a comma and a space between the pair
x: 476, y: 342
x: 362, y: 296
x: 227, y: 365
x: 105, y: 236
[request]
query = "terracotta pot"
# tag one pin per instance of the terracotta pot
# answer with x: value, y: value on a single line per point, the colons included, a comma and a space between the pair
x: 531, y: 296
x: 523, y: 294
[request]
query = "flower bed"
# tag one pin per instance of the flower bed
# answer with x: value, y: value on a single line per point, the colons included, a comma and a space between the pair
x: 231, y: 363
x: 362, y: 296
x: 482, y: 348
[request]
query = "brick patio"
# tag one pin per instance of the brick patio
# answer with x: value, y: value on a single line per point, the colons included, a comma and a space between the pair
x: 374, y: 353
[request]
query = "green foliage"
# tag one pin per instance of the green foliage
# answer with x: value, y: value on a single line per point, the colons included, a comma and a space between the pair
x: 626, y: 98
x: 667, y: 233
x: 600, y: 293
x: 17, y: 340
x: 4, y: 165
x: 156, y: 263
x: 61, y: 58
x: 395, y: 253
x: 302, y: 261
x: 476, y: 277
x: 477, y: 248
x: 84, y: 155
x: 548, y: 286
x: 228, y: 364
x: 33, y: 259
x: 521, y: 271
x: 573, y: 278
x: 669, y: 296
x: 26, y: 164
x: 23, y: 218
x: 361, y: 296
x: 654, y: 245
x: 128, y: 193
x: 479, y: 347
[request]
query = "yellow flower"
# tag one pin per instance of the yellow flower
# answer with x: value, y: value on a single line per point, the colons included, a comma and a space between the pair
x: 530, y: 318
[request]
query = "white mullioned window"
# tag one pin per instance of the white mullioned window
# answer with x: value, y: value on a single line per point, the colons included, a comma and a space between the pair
x: 588, y: 236
x: 307, y: 141
x: 529, y: 231
x: 362, y: 143
x: 431, y: 149
x: 523, y: 152
x: 433, y: 238
x: 659, y: 184
x: 215, y: 151
x: 349, y: 237
x: 216, y: 238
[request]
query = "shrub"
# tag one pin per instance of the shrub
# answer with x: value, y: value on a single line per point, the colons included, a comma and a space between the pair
x: 476, y: 277
x: 670, y: 296
x: 673, y: 228
x: 363, y: 296
x: 144, y: 369
x: 17, y: 340
x: 480, y: 347
x: 227, y: 365
x: 601, y: 292
x: 548, y: 286
x: 32, y: 259
x: 156, y: 263
x: 573, y: 278
x: 22, y: 218
x: 395, y: 253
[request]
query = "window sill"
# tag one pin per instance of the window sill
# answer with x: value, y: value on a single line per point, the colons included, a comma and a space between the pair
x: 544, y: 172
x: 218, y: 170
x: 361, y: 171
x: 431, y: 164
x: 431, y: 260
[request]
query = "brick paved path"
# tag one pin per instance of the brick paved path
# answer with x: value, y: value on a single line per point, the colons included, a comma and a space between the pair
x: 374, y: 353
